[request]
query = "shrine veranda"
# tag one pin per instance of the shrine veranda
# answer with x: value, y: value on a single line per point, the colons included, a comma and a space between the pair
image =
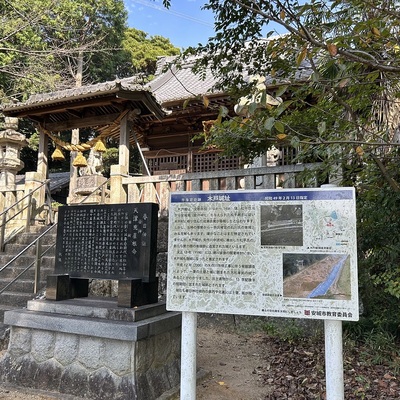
x: 287, y: 253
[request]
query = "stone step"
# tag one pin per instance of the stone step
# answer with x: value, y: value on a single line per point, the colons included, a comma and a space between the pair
x: 28, y: 238
x: 16, y: 299
x: 24, y: 261
x: 38, y: 228
x: 17, y: 248
x: 17, y: 295
x: 22, y: 285
x: 46, y: 268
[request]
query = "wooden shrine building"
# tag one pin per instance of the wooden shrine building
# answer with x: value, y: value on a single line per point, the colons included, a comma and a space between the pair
x: 162, y: 118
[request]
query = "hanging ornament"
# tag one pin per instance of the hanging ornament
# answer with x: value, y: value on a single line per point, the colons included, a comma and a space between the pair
x: 80, y: 160
x: 99, y: 146
x: 57, y: 155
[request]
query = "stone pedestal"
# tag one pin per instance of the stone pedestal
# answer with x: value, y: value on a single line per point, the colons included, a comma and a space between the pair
x: 87, y: 187
x: 91, y: 348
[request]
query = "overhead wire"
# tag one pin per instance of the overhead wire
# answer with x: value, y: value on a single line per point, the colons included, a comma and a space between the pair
x: 172, y: 12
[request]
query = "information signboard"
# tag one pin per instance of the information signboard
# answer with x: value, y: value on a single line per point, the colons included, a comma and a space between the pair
x: 281, y: 253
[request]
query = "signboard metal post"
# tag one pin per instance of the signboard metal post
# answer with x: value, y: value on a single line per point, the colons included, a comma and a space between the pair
x: 334, y: 360
x: 188, y: 356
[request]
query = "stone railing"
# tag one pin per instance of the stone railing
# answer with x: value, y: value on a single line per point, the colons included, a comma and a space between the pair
x: 14, y: 219
x: 157, y: 188
x: 11, y: 196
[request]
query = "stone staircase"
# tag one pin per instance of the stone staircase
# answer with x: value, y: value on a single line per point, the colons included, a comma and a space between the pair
x: 17, y: 295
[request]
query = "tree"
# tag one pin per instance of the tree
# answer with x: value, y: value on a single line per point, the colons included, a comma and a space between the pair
x: 19, y: 43
x: 143, y: 51
x: 317, y: 68
x: 327, y: 84
x: 49, y: 45
x: 97, y: 32
x: 42, y: 41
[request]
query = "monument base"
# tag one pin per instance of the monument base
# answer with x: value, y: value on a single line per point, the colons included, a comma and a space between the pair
x: 131, y: 292
x: 94, y: 349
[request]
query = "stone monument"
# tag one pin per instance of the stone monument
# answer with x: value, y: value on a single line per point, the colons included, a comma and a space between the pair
x: 117, y: 241
x: 97, y: 347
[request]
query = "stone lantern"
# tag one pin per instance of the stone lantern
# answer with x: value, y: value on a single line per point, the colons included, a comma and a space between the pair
x: 11, y: 143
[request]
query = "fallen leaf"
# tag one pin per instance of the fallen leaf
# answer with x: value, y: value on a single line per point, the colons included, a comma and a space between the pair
x: 388, y: 376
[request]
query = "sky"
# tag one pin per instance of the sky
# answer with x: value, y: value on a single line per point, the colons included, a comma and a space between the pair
x: 184, y: 23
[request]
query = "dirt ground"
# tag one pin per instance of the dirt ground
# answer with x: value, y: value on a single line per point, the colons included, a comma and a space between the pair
x: 235, y: 363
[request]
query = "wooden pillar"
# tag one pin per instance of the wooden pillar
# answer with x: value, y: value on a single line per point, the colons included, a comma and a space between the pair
x: 73, y: 171
x: 124, y: 144
x: 42, y: 164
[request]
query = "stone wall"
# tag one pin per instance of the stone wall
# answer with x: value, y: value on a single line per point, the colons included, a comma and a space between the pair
x: 90, y: 356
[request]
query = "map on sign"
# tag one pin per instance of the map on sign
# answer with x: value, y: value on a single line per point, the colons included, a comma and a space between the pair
x: 288, y: 253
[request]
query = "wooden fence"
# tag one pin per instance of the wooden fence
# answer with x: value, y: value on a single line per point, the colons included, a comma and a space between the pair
x: 157, y: 188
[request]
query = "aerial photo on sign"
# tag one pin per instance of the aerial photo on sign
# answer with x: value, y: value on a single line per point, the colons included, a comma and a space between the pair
x: 287, y: 253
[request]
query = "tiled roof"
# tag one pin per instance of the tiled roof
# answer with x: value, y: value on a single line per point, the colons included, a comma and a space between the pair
x: 302, y: 73
x: 179, y: 83
x: 82, y: 92
x: 172, y: 83
x: 58, y: 180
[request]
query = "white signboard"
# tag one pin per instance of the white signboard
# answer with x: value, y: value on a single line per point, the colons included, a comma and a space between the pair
x: 281, y: 253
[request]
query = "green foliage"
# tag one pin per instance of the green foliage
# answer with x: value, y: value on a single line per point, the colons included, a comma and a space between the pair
x: 46, y: 45
x: 381, y: 344
x: 29, y: 153
x: 111, y: 157
x: 143, y: 51
x: 376, y: 346
x: 42, y: 42
x: 317, y: 69
x: 335, y: 75
x: 379, y: 246
x: 291, y: 330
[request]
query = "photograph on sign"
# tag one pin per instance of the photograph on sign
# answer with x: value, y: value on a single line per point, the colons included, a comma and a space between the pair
x: 281, y: 225
x: 288, y: 253
x: 325, y: 276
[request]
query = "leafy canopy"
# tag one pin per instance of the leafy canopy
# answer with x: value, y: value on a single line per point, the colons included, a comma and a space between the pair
x: 42, y: 41
x: 322, y: 76
x: 143, y: 50
x: 337, y: 66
